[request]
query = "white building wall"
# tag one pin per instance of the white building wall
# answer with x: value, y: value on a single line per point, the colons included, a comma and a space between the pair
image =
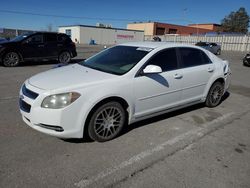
x: 102, y: 35
x: 75, y: 32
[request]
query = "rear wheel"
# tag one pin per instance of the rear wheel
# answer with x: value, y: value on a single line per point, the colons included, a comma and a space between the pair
x: 107, y: 122
x: 64, y: 57
x: 218, y: 52
x: 11, y: 59
x: 215, y: 95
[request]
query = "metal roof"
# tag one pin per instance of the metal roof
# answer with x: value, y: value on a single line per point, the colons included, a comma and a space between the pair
x: 112, y: 28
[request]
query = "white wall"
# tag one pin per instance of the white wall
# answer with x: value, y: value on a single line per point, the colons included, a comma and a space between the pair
x: 102, y: 35
x: 75, y: 30
x: 108, y: 36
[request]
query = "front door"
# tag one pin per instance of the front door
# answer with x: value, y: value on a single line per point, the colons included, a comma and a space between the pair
x: 33, y: 47
x: 157, y: 92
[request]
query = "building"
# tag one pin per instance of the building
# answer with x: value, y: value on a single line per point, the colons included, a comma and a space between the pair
x: 156, y: 28
x: 85, y: 34
x: 11, y: 33
x: 211, y: 26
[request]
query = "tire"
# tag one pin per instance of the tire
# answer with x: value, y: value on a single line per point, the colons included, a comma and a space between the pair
x: 246, y: 62
x: 214, y: 95
x: 218, y: 52
x: 64, y: 57
x: 107, y: 122
x: 11, y: 59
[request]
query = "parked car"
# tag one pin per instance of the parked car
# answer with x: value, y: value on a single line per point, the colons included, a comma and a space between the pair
x: 37, y: 46
x: 246, y: 60
x: 122, y: 85
x: 3, y: 40
x: 212, y: 47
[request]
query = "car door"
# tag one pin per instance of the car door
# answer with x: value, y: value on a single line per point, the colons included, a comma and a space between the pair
x: 51, y: 45
x: 33, y: 47
x: 156, y: 92
x: 197, y: 69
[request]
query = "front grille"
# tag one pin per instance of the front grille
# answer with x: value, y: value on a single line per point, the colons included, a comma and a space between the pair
x: 29, y: 93
x: 24, y: 106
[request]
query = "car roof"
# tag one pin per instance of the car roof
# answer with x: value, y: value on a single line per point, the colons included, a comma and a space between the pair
x: 155, y: 45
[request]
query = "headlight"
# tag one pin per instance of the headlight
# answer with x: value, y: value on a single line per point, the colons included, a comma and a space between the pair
x: 59, y: 100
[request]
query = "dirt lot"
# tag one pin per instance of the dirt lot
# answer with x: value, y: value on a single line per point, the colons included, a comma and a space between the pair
x: 193, y: 147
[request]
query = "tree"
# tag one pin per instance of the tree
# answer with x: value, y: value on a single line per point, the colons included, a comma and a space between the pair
x: 236, y: 21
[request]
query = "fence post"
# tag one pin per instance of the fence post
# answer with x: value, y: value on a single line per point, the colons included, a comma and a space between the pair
x: 244, y: 44
x: 222, y: 42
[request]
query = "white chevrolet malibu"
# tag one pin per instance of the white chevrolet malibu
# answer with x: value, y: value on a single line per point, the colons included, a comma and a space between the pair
x: 121, y: 85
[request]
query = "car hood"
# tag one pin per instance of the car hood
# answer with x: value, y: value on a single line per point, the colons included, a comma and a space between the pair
x: 71, y: 76
x: 7, y: 43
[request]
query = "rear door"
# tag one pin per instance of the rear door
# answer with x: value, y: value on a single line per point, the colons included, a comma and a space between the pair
x: 52, y: 48
x: 158, y: 91
x: 197, y: 69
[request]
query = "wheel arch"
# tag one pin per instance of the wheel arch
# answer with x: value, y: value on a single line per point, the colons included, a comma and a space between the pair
x: 11, y: 50
x: 118, y: 99
x: 219, y: 79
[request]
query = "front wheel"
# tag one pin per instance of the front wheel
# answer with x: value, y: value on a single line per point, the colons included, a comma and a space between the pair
x: 215, y: 95
x: 64, y: 57
x: 107, y: 122
x: 11, y: 59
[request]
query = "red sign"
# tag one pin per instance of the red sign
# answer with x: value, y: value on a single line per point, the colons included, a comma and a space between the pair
x: 124, y: 36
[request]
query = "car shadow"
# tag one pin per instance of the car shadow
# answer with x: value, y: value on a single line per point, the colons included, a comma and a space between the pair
x: 148, y: 121
x: 52, y: 62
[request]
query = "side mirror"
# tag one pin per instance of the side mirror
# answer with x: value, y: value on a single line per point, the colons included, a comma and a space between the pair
x: 150, y: 69
x: 210, y: 45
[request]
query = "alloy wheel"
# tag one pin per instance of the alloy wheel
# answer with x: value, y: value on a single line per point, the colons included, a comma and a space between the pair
x: 64, y: 57
x: 108, y: 122
x: 11, y: 59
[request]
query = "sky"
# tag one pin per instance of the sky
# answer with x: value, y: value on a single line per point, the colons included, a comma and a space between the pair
x: 117, y: 13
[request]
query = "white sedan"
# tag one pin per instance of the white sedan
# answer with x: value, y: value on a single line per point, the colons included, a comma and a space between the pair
x: 121, y: 85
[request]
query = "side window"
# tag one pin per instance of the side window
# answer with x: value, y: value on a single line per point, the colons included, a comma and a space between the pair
x: 51, y: 37
x: 35, y: 39
x: 193, y: 57
x: 68, y: 32
x: 166, y: 59
x: 206, y: 59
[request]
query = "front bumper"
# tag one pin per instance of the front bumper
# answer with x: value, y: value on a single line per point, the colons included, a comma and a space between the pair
x: 63, y: 123
x: 227, y: 78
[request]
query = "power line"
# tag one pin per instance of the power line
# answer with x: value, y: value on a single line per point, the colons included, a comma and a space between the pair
x: 63, y: 16
x: 87, y: 18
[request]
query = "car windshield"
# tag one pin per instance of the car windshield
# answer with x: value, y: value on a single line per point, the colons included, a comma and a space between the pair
x: 117, y: 60
x: 20, y: 37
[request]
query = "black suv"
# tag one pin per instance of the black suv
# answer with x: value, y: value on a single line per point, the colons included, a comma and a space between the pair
x: 37, y: 46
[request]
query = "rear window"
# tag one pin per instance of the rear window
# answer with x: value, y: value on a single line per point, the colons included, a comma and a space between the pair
x: 201, y: 44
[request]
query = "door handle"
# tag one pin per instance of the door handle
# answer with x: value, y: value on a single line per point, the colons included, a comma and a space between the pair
x: 41, y: 45
x: 210, y: 69
x: 178, y: 76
